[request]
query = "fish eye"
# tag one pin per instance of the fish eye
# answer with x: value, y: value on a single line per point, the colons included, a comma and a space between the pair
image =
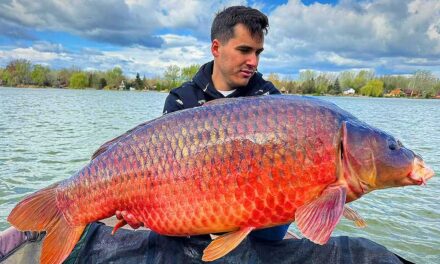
x: 392, y: 146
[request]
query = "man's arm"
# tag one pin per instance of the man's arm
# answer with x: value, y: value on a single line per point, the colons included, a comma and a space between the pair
x: 172, y: 104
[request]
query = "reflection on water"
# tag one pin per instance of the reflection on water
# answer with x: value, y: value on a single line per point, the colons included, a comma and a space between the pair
x: 46, y: 135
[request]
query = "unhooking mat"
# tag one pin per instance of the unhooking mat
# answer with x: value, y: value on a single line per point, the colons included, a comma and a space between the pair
x: 97, y: 245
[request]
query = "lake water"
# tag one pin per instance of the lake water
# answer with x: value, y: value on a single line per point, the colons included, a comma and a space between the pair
x: 46, y: 135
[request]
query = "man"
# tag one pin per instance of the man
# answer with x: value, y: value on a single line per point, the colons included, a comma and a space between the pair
x: 237, y: 39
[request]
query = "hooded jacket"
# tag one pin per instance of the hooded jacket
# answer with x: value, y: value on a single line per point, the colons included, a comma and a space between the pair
x: 201, y: 89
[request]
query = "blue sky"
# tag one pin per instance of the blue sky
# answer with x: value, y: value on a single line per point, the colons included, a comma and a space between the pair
x: 145, y: 36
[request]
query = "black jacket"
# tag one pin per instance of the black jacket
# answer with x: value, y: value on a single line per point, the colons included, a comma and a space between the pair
x: 201, y: 89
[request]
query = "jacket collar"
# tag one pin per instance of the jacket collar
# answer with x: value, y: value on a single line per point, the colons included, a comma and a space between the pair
x: 203, y: 80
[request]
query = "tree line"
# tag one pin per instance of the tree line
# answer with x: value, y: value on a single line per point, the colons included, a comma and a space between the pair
x: 22, y: 73
x: 422, y: 83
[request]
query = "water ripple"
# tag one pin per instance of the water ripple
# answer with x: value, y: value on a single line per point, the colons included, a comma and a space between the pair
x: 47, y: 135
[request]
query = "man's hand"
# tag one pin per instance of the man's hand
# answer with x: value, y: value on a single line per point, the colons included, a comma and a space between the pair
x: 124, y: 218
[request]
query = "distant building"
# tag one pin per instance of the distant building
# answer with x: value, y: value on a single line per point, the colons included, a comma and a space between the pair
x: 395, y: 93
x: 350, y: 91
x: 122, y: 85
x: 411, y: 92
x: 283, y: 90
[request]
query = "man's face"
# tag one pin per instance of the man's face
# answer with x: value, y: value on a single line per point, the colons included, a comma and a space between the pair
x: 237, y: 59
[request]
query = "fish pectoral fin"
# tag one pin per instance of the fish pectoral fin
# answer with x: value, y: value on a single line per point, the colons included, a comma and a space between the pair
x: 317, y: 219
x: 224, y: 244
x: 352, y: 215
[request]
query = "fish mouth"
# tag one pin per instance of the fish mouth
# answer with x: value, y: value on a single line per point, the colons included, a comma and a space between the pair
x: 365, y: 187
x: 420, y: 173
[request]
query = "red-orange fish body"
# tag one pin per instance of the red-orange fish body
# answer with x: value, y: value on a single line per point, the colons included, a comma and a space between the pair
x: 231, y: 165
x: 200, y: 171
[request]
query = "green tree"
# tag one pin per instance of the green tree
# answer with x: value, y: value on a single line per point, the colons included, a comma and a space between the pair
x: 423, y: 82
x: 361, y: 79
x: 307, y: 80
x: 346, y: 79
x: 307, y: 75
x: 171, y: 76
x: 187, y: 73
x: 392, y: 82
x: 138, y: 84
x: 373, y: 88
x: 114, y: 77
x: 79, y: 80
x: 335, y: 88
x: 93, y: 77
x: 308, y: 87
x: 145, y: 83
x: 292, y: 87
x: 323, y: 83
x: 276, y: 81
x: 102, y: 83
x: 3, y: 76
x: 62, y: 77
x: 19, y: 72
x: 437, y: 88
x: 40, y: 75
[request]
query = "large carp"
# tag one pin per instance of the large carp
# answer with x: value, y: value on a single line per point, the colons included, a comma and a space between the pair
x: 232, y: 165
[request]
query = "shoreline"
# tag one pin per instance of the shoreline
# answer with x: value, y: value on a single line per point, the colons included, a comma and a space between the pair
x: 167, y: 91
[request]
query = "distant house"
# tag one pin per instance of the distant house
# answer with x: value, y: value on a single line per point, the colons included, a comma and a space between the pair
x: 395, y: 93
x: 410, y: 92
x: 122, y: 85
x: 350, y: 91
x: 283, y: 90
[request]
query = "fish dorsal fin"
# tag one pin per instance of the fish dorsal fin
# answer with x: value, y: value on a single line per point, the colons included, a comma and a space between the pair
x: 225, y: 244
x: 104, y: 147
x: 352, y: 215
x: 317, y: 219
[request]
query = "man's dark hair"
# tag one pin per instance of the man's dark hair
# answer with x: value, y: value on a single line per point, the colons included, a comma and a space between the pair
x: 224, y: 22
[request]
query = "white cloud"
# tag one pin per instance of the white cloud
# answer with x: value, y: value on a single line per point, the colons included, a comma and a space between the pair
x: 48, y: 46
x: 178, y: 50
x: 129, y: 22
x: 152, y: 61
x: 337, y: 59
x: 390, y: 35
x: 31, y: 54
x: 355, y: 33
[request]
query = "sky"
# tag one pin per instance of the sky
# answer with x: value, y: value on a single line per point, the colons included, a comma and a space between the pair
x: 146, y: 36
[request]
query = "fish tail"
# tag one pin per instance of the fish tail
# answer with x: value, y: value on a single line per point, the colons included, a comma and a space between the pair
x: 39, y: 212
